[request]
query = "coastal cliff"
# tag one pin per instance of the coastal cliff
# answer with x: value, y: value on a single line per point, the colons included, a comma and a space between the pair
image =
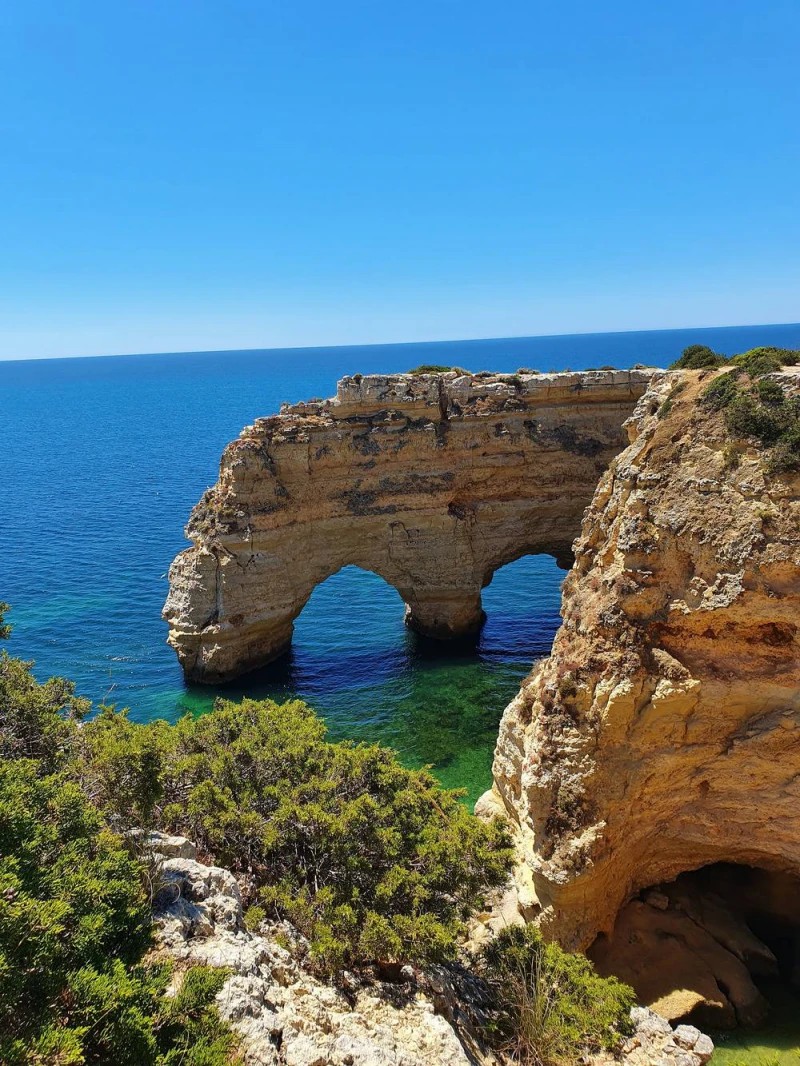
x: 431, y: 480
x: 663, y: 732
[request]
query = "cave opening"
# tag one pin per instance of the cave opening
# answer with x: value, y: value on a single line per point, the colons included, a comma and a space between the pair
x: 718, y: 947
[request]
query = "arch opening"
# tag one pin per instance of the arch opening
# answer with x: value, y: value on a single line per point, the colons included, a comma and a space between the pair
x: 373, y: 678
x: 718, y: 947
x: 353, y: 617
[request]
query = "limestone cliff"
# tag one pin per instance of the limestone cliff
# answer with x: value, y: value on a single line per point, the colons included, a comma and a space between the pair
x: 663, y: 732
x: 432, y: 481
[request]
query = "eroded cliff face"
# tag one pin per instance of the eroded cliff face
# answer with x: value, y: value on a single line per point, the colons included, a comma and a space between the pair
x: 432, y: 481
x: 663, y: 732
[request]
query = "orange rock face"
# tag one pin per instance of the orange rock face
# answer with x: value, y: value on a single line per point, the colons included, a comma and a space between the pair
x: 663, y: 733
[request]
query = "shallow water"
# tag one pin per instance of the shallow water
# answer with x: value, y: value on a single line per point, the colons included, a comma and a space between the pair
x: 775, y: 1044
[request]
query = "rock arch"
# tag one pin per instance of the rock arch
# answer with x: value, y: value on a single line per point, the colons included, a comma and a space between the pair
x: 432, y: 481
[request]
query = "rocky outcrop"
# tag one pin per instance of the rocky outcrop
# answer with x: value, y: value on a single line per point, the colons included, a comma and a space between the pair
x: 655, y: 1043
x: 663, y: 733
x: 432, y: 481
x: 284, y: 1016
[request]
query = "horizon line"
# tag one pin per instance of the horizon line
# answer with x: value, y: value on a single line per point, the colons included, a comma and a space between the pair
x: 395, y: 344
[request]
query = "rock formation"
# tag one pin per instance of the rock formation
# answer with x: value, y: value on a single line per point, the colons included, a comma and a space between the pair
x: 663, y: 733
x: 432, y: 481
x: 284, y: 1016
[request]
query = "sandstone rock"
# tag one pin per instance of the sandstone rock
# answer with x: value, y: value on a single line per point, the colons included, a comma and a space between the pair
x: 432, y: 481
x: 172, y: 847
x: 678, y: 968
x: 663, y: 733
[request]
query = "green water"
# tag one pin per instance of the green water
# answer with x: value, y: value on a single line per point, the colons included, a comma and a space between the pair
x: 776, y: 1044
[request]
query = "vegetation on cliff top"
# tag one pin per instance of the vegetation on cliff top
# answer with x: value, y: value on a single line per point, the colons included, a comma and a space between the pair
x: 762, y: 360
x: 755, y: 406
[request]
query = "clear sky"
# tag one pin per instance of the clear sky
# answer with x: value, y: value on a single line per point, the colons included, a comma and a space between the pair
x: 181, y: 175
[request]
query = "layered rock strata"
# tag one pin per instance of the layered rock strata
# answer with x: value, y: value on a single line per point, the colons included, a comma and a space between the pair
x: 432, y: 481
x: 663, y: 733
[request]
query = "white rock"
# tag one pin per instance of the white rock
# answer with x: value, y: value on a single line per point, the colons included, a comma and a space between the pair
x: 686, y: 1036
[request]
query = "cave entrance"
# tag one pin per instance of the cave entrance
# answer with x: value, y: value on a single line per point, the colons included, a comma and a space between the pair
x: 718, y: 947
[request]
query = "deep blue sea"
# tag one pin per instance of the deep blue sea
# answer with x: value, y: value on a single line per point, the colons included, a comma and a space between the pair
x: 102, y: 459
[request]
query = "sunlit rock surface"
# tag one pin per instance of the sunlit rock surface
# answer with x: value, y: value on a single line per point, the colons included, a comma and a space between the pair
x: 433, y: 481
x: 283, y: 1015
x: 663, y: 733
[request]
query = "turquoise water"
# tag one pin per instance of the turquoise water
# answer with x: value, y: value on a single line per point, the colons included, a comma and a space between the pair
x: 102, y: 460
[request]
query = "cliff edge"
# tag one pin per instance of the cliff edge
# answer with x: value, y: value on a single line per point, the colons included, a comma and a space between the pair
x: 663, y: 732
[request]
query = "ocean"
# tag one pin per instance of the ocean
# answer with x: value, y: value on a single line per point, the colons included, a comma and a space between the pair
x: 102, y: 460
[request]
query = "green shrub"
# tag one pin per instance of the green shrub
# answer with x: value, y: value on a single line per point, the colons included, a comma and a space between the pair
x: 665, y: 408
x: 551, y: 1006
x: 37, y: 721
x: 770, y: 392
x: 785, y: 456
x: 431, y: 368
x: 74, y: 924
x: 372, y: 862
x: 189, y: 1030
x: 74, y: 916
x: 721, y: 391
x: 756, y: 407
x: 697, y: 357
x: 766, y: 360
x: 746, y: 416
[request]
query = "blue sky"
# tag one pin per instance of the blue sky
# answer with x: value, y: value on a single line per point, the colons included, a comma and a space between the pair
x: 192, y: 175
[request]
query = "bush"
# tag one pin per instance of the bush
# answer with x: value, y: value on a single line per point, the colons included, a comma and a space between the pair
x: 785, y: 456
x: 74, y: 916
x: 766, y: 360
x: 757, y: 408
x: 372, y: 862
x: 551, y: 1006
x: 697, y: 357
x: 37, y: 721
x: 74, y: 924
x: 432, y: 368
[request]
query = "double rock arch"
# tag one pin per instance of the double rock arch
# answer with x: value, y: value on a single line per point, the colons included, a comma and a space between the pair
x: 433, y: 482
